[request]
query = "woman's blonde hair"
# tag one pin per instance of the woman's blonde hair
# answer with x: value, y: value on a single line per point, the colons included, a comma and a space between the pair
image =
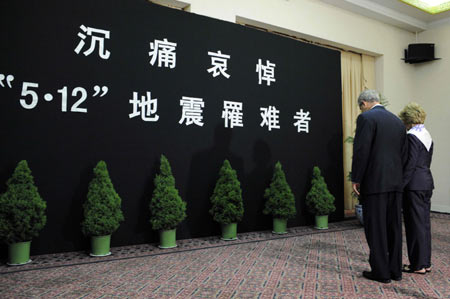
x: 412, y: 114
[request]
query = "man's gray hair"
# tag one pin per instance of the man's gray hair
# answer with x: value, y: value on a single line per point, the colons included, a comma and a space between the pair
x: 369, y: 95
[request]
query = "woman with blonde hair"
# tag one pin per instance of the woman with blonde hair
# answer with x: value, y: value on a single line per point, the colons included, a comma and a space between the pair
x: 418, y: 188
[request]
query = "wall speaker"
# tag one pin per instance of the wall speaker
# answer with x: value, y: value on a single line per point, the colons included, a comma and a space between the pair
x: 417, y: 53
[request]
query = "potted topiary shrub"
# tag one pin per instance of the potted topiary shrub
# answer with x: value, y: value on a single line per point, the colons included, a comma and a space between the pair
x: 319, y: 200
x: 280, y: 201
x: 166, y: 206
x: 102, y: 211
x: 22, y: 214
x: 227, y: 205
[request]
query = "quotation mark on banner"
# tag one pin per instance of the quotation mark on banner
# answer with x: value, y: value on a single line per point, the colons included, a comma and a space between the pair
x: 97, y: 89
x: 9, y: 79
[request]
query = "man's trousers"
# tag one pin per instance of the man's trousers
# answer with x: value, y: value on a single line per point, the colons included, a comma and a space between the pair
x: 383, y: 229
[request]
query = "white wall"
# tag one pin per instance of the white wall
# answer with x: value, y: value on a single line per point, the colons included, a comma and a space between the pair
x: 432, y: 91
x: 398, y: 81
x: 333, y: 25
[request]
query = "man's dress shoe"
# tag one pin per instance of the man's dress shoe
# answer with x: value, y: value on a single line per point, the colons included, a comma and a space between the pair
x: 370, y: 276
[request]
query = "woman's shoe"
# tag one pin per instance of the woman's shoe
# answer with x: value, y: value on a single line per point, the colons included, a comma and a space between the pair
x: 407, y: 269
x: 428, y: 269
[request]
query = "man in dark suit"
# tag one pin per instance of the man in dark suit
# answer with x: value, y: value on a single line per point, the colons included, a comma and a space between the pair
x: 379, y: 153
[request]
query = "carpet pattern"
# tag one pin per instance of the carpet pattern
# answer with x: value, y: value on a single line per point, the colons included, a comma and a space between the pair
x: 301, y: 265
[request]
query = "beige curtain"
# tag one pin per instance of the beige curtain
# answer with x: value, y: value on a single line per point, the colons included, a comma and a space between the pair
x: 357, y: 73
x: 368, y: 70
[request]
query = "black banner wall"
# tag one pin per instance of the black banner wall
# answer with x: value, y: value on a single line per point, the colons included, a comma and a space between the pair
x: 126, y: 81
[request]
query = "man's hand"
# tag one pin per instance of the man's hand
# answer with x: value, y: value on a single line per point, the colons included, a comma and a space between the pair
x: 355, y: 187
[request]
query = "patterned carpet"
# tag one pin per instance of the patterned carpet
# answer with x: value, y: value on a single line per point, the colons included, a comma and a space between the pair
x: 305, y: 263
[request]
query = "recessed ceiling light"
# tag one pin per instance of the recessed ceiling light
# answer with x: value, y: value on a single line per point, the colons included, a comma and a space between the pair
x: 430, y: 6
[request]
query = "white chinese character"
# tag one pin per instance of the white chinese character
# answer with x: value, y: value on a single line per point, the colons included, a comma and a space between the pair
x: 219, y: 64
x: 232, y: 113
x: 164, y: 51
x: 192, y: 111
x: 302, y: 122
x: 100, y: 40
x: 146, y: 105
x: 265, y: 72
x: 270, y: 117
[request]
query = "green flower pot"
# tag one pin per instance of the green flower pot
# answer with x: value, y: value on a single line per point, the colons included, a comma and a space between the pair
x: 279, y: 226
x: 100, y: 245
x: 167, y: 238
x: 19, y: 253
x: 322, y: 222
x: 229, y: 232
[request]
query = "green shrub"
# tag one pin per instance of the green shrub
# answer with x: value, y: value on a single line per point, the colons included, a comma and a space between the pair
x: 102, y: 209
x: 22, y: 210
x: 227, y: 204
x: 319, y: 200
x: 280, y: 201
x: 166, y: 206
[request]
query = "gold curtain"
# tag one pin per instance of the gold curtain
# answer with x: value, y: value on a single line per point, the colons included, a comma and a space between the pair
x: 368, y: 71
x: 357, y: 73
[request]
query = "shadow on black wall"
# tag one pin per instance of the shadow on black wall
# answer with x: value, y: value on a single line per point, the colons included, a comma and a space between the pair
x: 201, y: 185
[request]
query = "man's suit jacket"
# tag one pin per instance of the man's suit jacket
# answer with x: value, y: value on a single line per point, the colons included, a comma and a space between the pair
x: 379, y: 152
x: 417, y: 173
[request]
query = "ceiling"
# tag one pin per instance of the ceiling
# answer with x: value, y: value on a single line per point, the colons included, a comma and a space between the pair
x: 393, y: 12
